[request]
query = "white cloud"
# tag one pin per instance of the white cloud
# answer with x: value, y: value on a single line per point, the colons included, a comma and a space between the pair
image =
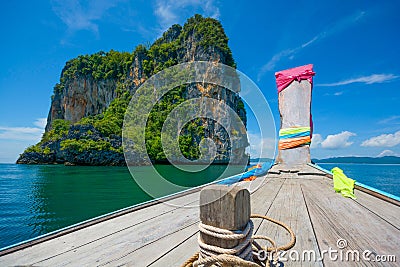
x: 21, y: 133
x: 270, y: 65
x: 165, y: 13
x: 336, y: 141
x: 387, y: 153
x: 316, y: 140
x: 41, y: 122
x: 391, y: 120
x: 383, y: 140
x: 333, y: 141
x: 24, y: 133
x: 339, y: 93
x: 169, y: 12
x: 371, y: 79
x: 290, y: 53
x: 10, y: 149
x: 260, y: 147
x: 82, y: 15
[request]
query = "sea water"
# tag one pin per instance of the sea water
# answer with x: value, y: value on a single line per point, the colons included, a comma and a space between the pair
x: 38, y: 199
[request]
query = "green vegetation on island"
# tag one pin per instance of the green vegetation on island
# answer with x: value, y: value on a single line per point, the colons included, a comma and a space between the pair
x: 83, y: 141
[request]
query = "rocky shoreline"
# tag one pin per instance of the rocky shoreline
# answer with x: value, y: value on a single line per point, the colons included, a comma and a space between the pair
x: 73, y: 156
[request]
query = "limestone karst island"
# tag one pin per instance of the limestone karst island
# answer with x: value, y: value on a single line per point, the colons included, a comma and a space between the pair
x: 84, y: 125
x: 169, y: 155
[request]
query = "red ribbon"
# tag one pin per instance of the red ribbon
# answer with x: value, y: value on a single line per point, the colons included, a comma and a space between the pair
x: 286, y: 77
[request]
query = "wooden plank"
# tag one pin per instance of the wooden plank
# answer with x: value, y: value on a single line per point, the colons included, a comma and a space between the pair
x: 72, y: 243
x: 261, y: 200
x: 148, y: 254
x: 80, y: 240
x: 289, y: 207
x: 117, y: 248
x: 95, y: 221
x: 169, y: 239
x: 178, y: 254
x: 263, y: 196
x: 116, y: 245
x: 377, y: 195
x: 337, y: 218
x: 310, y: 171
x: 366, y: 190
x: 385, y: 210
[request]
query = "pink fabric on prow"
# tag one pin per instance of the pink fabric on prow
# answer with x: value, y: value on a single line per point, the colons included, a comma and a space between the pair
x: 286, y: 77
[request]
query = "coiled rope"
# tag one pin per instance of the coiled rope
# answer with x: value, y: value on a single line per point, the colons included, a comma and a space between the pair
x: 244, y: 252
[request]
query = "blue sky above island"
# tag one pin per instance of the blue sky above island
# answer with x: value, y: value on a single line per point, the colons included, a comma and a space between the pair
x: 352, y: 44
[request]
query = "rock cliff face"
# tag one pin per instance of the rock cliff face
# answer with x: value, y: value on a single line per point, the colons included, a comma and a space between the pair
x: 86, y: 114
x: 81, y: 97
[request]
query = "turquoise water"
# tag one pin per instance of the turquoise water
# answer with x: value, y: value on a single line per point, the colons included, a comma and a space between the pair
x: 385, y: 177
x: 37, y: 199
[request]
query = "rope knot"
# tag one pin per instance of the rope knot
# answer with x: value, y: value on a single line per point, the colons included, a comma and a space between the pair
x: 243, y: 250
x: 243, y: 254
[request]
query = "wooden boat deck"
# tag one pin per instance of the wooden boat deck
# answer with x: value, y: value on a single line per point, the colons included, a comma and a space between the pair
x: 166, y: 235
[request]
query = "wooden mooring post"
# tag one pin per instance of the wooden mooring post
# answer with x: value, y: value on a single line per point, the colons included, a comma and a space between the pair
x: 294, y: 97
x: 225, y: 207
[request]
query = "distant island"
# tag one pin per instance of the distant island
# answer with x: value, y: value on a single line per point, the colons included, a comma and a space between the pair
x: 361, y: 160
x: 84, y: 124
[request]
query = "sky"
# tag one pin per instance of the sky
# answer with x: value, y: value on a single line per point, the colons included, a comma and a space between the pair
x: 354, y: 46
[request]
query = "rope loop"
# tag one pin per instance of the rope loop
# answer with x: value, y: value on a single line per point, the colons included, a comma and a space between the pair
x: 242, y: 250
x: 247, y: 253
x: 223, y: 233
x: 288, y: 246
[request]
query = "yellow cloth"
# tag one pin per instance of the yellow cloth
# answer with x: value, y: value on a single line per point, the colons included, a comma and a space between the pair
x: 343, y: 184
